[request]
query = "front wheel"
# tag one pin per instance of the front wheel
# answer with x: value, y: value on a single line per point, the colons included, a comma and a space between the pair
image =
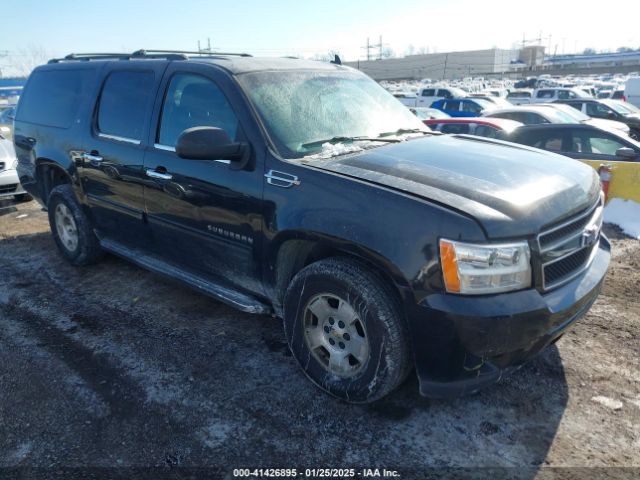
x: 345, y: 328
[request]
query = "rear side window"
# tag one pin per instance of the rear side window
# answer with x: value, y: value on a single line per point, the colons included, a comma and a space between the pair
x: 487, y: 131
x: 429, y: 92
x: 452, y: 105
x: 545, y: 94
x: 124, y: 103
x: 455, y: 128
x: 52, y: 97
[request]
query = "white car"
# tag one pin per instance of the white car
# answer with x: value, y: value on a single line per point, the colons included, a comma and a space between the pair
x: 546, y: 95
x: 9, y: 183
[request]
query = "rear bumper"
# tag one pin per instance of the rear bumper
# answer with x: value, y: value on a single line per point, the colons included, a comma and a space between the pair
x: 464, y: 343
x: 9, y: 184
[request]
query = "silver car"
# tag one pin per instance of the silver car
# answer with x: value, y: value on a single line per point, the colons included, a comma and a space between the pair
x: 9, y: 183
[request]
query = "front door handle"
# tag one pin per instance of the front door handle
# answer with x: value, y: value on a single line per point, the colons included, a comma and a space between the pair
x: 90, y: 157
x: 158, y: 175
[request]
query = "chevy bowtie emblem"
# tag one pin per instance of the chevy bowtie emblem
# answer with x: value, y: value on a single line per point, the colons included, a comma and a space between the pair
x: 589, y: 236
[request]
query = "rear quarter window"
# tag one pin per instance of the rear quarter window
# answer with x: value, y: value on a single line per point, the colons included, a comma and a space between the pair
x: 52, y: 97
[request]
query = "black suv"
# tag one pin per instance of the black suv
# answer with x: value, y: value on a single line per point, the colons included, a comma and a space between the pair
x: 306, y: 191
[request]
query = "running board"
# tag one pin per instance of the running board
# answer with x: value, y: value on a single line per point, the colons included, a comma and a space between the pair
x: 231, y: 297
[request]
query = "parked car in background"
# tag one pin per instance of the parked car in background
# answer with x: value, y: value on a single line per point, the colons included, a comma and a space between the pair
x: 424, y: 113
x: 607, y: 109
x: 499, y: 102
x: 9, y: 96
x: 619, y: 94
x: 480, y: 126
x: 583, y: 118
x: 595, y: 147
x: 428, y: 95
x: 546, y: 95
x: 9, y: 183
x: 6, y: 122
x: 464, y: 107
x: 632, y: 91
x: 552, y: 113
x: 409, y: 99
x: 520, y: 97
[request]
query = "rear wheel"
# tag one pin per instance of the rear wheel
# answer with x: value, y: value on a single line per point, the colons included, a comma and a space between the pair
x: 345, y: 328
x: 71, y: 229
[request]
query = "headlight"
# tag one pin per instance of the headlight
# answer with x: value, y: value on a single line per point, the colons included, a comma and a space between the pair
x: 473, y: 269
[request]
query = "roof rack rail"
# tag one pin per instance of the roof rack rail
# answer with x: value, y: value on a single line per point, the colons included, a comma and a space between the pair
x: 165, y: 54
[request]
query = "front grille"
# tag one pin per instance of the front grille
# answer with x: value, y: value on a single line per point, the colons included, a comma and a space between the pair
x: 8, y: 188
x: 558, y: 271
x: 562, y: 232
x: 566, y: 249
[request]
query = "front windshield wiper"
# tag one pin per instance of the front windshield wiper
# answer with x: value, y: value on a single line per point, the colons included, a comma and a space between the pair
x: 402, y: 131
x: 339, y: 139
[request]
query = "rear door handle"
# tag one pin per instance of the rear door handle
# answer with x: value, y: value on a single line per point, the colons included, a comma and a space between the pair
x: 90, y: 157
x: 158, y: 175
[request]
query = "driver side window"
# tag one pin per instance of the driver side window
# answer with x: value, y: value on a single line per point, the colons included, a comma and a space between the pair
x: 194, y: 101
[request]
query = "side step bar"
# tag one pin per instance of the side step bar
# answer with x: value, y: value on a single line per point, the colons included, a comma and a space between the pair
x: 231, y: 297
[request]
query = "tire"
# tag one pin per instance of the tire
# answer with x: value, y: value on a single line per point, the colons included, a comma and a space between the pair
x: 634, y: 134
x: 341, y: 300
x: 23, y: 197
x: 71, y: 229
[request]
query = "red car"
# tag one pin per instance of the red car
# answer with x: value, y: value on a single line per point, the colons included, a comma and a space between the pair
x: 481, y: 126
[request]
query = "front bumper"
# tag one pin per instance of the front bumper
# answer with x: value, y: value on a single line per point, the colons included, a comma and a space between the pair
x: 470, y: 341
x: 9, y: 184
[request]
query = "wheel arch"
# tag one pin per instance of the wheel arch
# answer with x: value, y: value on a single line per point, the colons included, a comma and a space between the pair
x: 292, y: 251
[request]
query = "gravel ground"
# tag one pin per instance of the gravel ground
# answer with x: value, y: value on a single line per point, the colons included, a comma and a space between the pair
x: 112, y: 366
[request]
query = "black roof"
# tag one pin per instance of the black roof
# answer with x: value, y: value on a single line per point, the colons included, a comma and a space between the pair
x: 236, y: 63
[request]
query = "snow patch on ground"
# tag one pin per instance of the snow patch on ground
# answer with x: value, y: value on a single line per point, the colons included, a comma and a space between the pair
x: 625, y: 214
x: 608, y: 402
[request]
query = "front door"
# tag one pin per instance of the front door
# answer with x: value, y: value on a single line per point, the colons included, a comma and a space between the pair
x: 204, y: 216
x: 596, y: 148
x: 111, y: 171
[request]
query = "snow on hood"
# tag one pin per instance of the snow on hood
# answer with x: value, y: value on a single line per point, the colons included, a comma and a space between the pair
x: 625, y: 214
x: 332, y: 149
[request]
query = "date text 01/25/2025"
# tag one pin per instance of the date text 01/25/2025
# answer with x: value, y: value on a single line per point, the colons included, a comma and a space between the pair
x: 315, y: 473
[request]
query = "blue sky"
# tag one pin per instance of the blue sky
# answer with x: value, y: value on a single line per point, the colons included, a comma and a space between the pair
x: 280, y: 27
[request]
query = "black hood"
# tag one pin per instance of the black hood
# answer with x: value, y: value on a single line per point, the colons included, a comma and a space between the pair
x: 510, y: 189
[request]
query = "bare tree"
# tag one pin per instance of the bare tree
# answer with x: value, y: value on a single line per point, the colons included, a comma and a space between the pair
x: 26, y: 59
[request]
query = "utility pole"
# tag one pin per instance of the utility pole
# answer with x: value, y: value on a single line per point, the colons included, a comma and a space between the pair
x: 208, y: 49
x: 368, y: 49
x: 444, y: 73
x: 380, y: 49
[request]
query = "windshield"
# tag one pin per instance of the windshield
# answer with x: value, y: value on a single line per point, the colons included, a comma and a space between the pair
x: 574, y: 113
x: 622, y: 107
x: 561, y: 116
x: 301, y: 108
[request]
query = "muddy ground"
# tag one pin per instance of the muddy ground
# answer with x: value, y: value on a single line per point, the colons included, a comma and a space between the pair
x: 110, y: 365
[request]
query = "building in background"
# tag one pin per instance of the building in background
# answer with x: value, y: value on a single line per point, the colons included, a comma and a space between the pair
x: 439, y: 66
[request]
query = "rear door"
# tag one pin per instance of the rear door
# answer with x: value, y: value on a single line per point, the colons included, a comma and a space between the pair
x: 112, y: 175
x: 205, y: 217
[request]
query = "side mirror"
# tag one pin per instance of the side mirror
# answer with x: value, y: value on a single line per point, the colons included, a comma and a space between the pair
x: 211, y: 143
x: 626, y: 153
x: 611, y: 116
